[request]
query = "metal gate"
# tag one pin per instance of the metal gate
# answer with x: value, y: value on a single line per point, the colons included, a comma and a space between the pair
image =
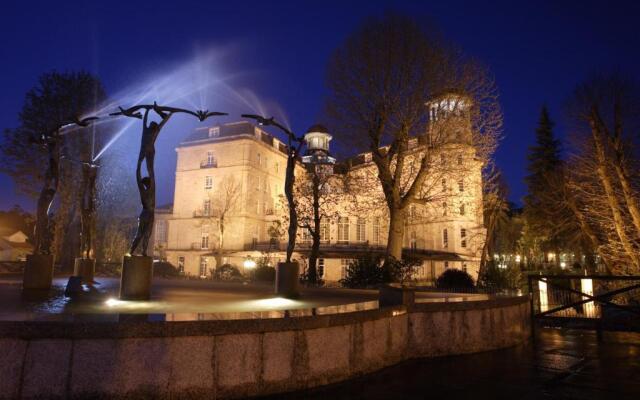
x: 586, y: 301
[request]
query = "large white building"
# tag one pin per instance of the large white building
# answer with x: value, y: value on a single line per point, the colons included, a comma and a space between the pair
x: 234, y: 174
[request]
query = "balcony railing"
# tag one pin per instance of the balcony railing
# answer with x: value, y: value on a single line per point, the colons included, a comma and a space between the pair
x: 209, y: 164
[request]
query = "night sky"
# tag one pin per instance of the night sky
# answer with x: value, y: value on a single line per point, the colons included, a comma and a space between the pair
x: 538, y: 52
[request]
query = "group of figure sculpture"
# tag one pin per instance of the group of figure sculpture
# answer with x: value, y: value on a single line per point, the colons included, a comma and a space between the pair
x: 52, y: 141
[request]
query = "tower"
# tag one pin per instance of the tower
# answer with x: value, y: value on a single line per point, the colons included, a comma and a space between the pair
x: 317, y: 139
x: 450, y: 119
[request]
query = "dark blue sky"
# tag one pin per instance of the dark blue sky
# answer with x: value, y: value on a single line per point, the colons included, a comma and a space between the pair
x: 538, y: 50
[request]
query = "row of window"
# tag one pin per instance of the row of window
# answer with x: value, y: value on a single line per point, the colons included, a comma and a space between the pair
x: 445, y: 238
x: 445, y: 188
x: 445, y: 210
x: 443, y: 159
x: 344, y: 231
x: 320, y: 267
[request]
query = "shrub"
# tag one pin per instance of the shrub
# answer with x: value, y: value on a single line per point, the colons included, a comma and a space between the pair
x: 227, y: 272
x: 400, y: 270
x: 264, y: 273
x: 454, y: 279
x: 165, y: 269
x: 365, y: 271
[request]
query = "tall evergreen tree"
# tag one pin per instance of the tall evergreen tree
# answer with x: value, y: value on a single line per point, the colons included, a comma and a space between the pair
x: 542, y: 202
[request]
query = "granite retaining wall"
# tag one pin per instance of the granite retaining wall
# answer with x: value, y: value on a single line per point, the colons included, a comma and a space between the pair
x: 231, y: 359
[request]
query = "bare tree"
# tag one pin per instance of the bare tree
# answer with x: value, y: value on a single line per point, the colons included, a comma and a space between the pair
x: 604, y: 168
x: 222, y: 203
x: 379, y: 81
x: 317, y: 197
x: 495, y: 211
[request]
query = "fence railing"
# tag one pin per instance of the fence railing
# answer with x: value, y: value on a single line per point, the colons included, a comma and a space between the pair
x: 593, y: 301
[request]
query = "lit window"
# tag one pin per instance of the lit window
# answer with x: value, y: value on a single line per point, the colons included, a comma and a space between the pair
x: 161, y: 231
x: 320, y: 269
x: 214, y: 132
x: 204, y: 264
x: 324, y: 230
x: 376, y: 230
x: 445, y: 239
x: 306, y: 235
x: 463, y: 238
x: 204, y: 243
x: 343, y: 229
x: 208, y: 182
x: 361, y: 229
x: 461, y: 185
x: 367, y: 157
x: 344, y: 264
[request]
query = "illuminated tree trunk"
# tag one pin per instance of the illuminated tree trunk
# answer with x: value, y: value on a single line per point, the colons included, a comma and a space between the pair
x: 612, y: 200
x: 396, y: 233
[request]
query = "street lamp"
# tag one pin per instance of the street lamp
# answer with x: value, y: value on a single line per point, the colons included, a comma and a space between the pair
x: 249, y: 263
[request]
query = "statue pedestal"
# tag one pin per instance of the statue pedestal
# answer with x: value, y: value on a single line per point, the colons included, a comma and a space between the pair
x: 38, y: 272
x: 85, y: 268
x: 288, y: 280
x: 135, y: 282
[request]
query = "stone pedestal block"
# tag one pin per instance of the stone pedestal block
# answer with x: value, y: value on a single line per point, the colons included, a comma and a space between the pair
x: 288, y: 280
x: 85, y: 268
x: 38, y: 272
x: 135, y: 282
x: 396, y: 295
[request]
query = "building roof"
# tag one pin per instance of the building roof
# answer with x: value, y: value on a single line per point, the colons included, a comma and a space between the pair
x: 232, y: 130
x: 318, y: 128
x: 15, y: 245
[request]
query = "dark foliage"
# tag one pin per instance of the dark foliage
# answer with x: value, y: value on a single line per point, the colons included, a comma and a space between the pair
x: 227, y: 272
x: 165, y: 269
x: 265, y: 273
x: 455, y: 279
x: 365, y: 271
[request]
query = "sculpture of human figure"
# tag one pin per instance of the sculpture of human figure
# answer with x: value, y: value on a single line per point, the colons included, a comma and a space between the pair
x: 44, y: 227
x: 88, y: 208
x: 147, y: 184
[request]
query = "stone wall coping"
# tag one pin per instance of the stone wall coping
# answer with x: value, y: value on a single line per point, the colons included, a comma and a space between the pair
x: 152, y: 325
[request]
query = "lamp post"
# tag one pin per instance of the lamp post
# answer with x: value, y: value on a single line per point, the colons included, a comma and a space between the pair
x: 288, y: 272
x: 137, y: 271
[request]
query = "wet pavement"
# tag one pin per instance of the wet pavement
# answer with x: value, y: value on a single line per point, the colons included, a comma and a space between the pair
x: 560, y: 365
